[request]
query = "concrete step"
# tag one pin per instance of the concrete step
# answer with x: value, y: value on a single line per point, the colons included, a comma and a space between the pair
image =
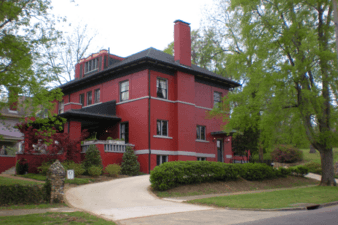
x: 10, y: 171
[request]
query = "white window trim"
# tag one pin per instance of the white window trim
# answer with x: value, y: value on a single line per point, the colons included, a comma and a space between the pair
x: 220, y: 93
x: 120, y: 93
x: 95, y: 95
x: 205, y: 134
x: 161, y: 78
x: 161, y: 162
x: 161, y: 128
x: 165, y: 137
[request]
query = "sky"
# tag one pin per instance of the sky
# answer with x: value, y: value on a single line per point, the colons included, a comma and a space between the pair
x: 130, y: 26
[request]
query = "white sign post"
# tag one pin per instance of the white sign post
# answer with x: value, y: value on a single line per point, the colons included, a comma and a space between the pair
x: 70, y: 174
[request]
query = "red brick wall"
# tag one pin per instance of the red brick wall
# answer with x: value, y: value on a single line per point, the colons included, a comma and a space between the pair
x: 6, y: 162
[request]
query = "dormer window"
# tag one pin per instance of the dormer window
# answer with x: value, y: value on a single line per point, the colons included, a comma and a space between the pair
x: 91, y: 65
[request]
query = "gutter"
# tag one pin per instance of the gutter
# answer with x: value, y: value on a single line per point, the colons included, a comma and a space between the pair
x: 149, y: 119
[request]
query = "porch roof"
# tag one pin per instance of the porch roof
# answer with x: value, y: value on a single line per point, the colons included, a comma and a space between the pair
x: 96, y: 113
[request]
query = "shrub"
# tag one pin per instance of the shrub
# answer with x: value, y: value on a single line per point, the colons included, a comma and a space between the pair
x: 282, y: 172
x: 92, y: 158
x: 113, y: 170
x: 110, y: 138
x: 43, y: 169
x: 21, y: 167
x: 95, y: 171
x: 71, y: 165
x: 47, y: 190
x: 130, y: 166
x: 300, y: 171
x: 21, y: 194
x: 287, y: 154
x: 256, y: 171
x: 314, y: 167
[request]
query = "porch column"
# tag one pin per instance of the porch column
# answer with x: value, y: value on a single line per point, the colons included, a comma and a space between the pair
x: 74, y: 130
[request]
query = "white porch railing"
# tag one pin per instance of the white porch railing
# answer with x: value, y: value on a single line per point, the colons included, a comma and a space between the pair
x: 109, y: 146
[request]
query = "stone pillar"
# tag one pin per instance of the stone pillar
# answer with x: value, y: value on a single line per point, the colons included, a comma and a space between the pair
x: 56, y: 175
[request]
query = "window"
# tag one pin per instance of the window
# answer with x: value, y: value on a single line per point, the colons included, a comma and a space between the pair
x: 89, y: 98
x: 97, y: 96
x: 91, y: 65
x: 201, y: 159
x: 162, y: 88
x: 124, y: 132
x: 81, y: 100
x: 217, y: 99
x: 200, y: 132
x: 61, y: 107
x: 124, y: 90
x: 162, y: 127
x: 161, y: 159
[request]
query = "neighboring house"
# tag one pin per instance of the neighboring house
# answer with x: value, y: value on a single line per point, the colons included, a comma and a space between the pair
x: 11, y: 137
x: 157, y: 102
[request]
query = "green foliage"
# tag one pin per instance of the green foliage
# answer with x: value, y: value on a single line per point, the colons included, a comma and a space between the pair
x: 314, y: 167
x: 77, y: 167
x: 92, y: 158
x: 43, y: 169
x: 110, y: 138
x: 241, y: 143
x: 47, y: 190
x: 130, y: 166
x: 113, y: 170
x: 21, y: 167
x: 287, y: 154
x: 172, y: 174
x: 95, y: 171
x: 21, y: 194
x: 300, y: 171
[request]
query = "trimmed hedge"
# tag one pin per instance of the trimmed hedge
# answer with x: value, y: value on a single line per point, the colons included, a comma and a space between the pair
x: 22, y: 194
x: 173, y: 174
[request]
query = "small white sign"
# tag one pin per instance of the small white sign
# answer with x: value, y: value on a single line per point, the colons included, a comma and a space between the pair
x: 70, y: 174
x: 228, y: 156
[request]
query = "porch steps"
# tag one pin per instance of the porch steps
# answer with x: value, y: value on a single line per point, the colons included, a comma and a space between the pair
x: 10, y: 171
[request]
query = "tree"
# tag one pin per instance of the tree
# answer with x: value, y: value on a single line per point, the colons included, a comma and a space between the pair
x: 130, y: 166
x: 68, y: 52
x: 247, y: 141
x: 287, y: 58
x: 25, y: 28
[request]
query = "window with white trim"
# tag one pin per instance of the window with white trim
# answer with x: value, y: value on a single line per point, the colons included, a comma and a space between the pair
x: 162, y: 128
x: 124, y: 90
x: 217, y: 99
x: 89, y: 98
x: 162, y: 88
x: 160, y: 159
x: 61, y: 107
x: 81, y: 99
x: 124, y: 131
x: 201, y: 159
x: 200, y: 132
x: 97, y: 96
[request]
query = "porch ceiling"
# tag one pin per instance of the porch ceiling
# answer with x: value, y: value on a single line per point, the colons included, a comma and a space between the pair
x: 223, y: 133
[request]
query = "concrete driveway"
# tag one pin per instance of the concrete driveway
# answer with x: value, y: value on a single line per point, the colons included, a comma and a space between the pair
x: 127, y: 201
x: 124, y: 199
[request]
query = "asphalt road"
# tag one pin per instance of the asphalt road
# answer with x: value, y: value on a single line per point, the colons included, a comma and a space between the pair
x: 323, y: 216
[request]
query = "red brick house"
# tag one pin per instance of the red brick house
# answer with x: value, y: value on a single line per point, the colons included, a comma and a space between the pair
x: 155, y: 101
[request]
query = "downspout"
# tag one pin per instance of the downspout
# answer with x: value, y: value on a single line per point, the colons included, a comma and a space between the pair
x: 149, y: 119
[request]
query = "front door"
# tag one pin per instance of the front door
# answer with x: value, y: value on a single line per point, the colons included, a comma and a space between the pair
x: 220, y: 150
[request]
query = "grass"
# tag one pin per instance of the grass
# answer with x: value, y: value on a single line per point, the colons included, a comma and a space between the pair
x: 39, y: 206
x: 315, y: 157
x: 54, y: 218
x: 41, y: 177
x: 275, y: 199
x: 9, y: 181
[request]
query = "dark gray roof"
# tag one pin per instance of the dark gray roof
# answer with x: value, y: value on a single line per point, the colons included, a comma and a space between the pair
x: 222, y: 132
x: 159, y: 57
x: 106, y: 110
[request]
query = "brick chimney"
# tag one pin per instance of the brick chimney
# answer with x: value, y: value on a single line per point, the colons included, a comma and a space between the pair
x: 182, y: 43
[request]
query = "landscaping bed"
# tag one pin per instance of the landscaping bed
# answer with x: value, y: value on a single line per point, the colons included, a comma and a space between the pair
x: 239, y: 185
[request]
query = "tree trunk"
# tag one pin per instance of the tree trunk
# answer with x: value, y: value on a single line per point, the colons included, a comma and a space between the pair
x: 312, y: 149
x: 328, y: 179
x: 260, y: 154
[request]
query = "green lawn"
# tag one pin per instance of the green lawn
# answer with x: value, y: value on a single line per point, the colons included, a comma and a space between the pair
x: 43, y: 178
x: 54, y: 218
x: 9, y: 181
x: 315, y: 157
x: 39, y: 206
x: 275, y: 199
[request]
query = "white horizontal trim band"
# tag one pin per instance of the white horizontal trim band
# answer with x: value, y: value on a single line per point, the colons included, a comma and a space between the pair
x: 202, y: 141
x: 73, y: 103
x: 131, y: 100
x: 158, y: 136
x: 165, y: 152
